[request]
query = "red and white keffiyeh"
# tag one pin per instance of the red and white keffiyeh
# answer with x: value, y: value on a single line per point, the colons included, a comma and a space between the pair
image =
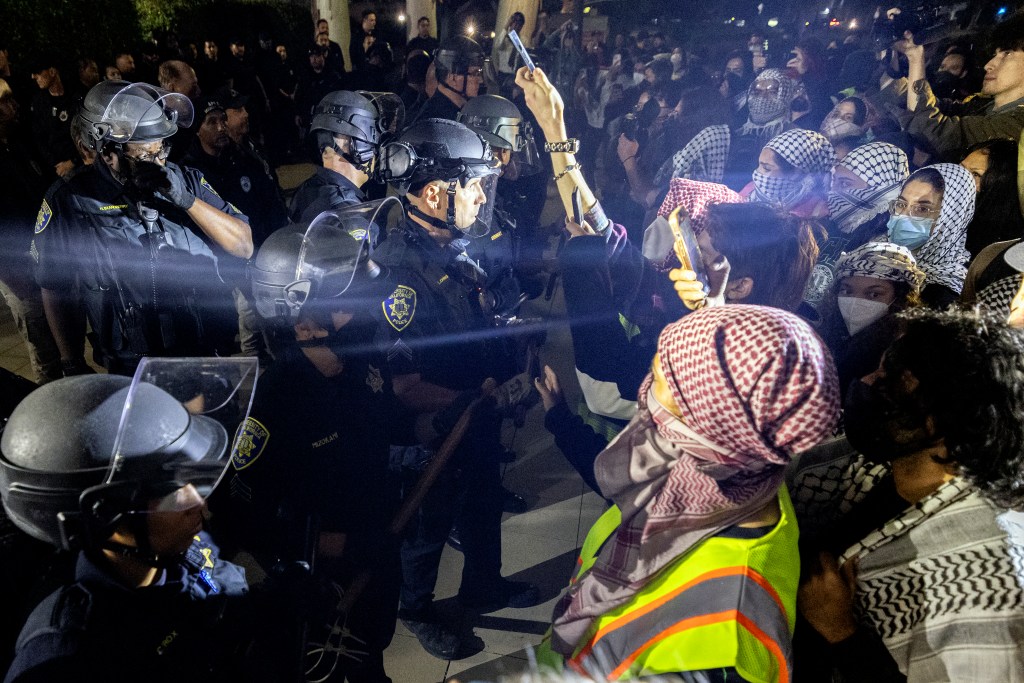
x: 696, y: 196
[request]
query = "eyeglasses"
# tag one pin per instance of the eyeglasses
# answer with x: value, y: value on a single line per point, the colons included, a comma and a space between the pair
x: 159, y: 155
x: 899, y: 206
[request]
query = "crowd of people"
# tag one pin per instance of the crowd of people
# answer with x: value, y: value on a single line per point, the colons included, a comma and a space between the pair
x: 795, y: 295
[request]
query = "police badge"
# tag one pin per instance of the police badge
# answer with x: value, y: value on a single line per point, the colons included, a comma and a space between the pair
x: 43, y: 217
x: 400, y: 307
x: 250, y: 441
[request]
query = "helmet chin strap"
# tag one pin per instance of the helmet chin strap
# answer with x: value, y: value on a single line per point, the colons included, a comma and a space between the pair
x: 450, y: 224
x: 148, y: 558
x: 461, y: 93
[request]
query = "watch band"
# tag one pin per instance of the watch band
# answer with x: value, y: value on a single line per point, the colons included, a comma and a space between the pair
x: 570, y: 146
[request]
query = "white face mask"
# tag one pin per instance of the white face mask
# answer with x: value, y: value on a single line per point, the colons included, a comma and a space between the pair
x: 859, y: 313
x: 638, y: 78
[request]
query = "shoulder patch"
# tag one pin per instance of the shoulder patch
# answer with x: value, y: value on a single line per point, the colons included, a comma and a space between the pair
x: 206, y: 183
x: 358, y: 233
x: 43, y: 217
x: 251, y: 439
x: 496, y: 235
x: 400, y: 307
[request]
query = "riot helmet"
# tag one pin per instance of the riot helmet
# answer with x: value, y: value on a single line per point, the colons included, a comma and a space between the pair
x: 499, y: 122
x: 120, y: 112
x: 301, y: 269
x: 365, y: 117
x: 83, y: 455
x: 437, y: 149
x: 459, y: 56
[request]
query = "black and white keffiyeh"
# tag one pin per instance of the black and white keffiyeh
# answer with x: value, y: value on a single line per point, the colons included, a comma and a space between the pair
x: 810, y: 153
x: 882, y: 261
x: 705, y: 157
x: 766, y: 108
x: 884, y: 168
x: 944, y: 257
x: 997, y: 296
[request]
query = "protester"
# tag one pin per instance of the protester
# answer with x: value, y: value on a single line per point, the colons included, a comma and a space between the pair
x: 930, y: 218
x: 999, y: 113
x: 874, y: 282
x: 997, y: 214
x: 914, y: 504
x: 719, y: 154
x: 699, y: 516
x: 792, y: 173
x: 864, y: 184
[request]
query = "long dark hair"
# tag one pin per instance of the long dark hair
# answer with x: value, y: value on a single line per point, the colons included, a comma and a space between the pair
x: 997, y: 214
x: 776, y: 251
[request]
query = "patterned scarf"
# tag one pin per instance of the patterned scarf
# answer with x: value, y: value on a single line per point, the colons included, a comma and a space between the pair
x: 755, y: 386
x: 882, y: 261
x: 835, y: 127
x: 810, y: 153
x: 695, y: 197
x: 884, y: 168
x: 765, y: 108
x: 944, y: 257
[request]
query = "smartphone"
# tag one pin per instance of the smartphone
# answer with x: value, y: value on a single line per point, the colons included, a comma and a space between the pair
x: 521, y: 49
x: 686, y: 247
x: 577, y: 207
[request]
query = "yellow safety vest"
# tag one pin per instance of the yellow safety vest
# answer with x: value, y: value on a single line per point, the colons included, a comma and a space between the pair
x: 728, y: 602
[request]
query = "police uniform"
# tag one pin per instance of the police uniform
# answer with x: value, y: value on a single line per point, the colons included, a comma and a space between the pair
x: 245, y: 181
x: 144, y: 295
x: 324, y: 190
x: 495, y: 253
x: 432, y: 324
x: 316, y: 448
x: 438, y: 107
x: 99, y: 629
x: 51, y: 126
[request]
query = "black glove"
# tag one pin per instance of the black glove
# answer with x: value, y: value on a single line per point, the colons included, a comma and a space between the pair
x: 163, y: 180
x: 75, y: 366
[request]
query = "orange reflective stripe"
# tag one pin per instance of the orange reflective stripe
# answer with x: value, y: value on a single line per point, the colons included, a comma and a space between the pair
x: 705, y: 620
x: 625, y: 619
x: 685, y: 624
x: 768, y: 642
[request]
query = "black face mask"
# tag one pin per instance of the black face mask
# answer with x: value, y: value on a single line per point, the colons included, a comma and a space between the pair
x: 883, y: 424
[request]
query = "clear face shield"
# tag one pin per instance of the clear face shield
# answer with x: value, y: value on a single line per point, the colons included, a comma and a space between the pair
x: 484, y: 223
x: 140, y: 113
x: 179, y: 430
x: 334, y: 259
x: 390, y: 112
x: 512, y: 142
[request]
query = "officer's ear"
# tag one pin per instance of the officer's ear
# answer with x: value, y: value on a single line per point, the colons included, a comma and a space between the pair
x: 431, y: 195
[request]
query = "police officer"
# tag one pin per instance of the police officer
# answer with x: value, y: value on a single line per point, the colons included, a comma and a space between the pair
x: 312, y: 480
x: 459, y: 65
x: 498, y: 121
x: 240, y: 178
x: 346, y: 130
x: 246, y: 182
x: 441, y: 345
x: 138, y: 238
x: 150, y: 591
